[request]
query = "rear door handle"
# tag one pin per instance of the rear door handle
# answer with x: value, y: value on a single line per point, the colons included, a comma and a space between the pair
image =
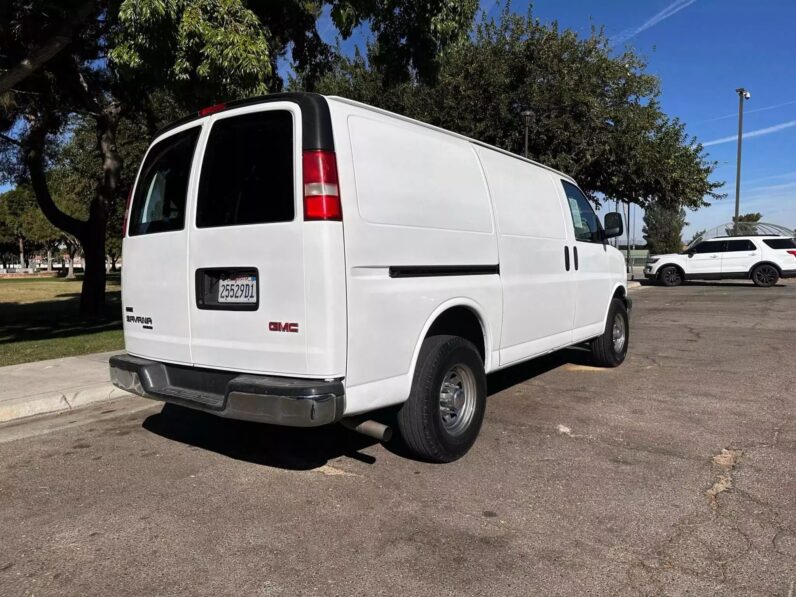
x: 566, y: 258
x: 575, y: 254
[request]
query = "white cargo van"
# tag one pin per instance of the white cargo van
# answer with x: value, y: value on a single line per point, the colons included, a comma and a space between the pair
x: 301, y: 260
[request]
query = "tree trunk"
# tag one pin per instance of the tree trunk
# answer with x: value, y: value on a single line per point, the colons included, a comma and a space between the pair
x: 21, y: 253
x: 49, y: 260
x: 92, y: 297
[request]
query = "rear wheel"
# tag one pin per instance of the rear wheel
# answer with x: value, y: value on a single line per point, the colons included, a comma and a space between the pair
x: 610, y: 349
x: 670, y: 276
x: 765, y: 275
x: 442, y: 417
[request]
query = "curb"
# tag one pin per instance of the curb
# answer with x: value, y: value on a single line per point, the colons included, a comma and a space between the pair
x: 58, y: 402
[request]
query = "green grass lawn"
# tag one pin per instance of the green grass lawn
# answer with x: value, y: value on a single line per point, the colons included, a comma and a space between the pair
x: 39, y: 320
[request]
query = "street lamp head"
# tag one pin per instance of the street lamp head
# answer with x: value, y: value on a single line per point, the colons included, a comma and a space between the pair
x: 526, y: 116
x: 743, y: 93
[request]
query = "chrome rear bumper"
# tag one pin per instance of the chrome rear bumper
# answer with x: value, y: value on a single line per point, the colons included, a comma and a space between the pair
x: 294, y: 402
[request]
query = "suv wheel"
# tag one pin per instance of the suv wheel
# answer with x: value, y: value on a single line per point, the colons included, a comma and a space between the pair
x: 670, y: 276
x: 765, y: 275
x: 442, y: 417
x: 610, y: 349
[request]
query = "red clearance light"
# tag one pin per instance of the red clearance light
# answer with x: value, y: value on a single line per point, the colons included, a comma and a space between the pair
x: 126, y: 212
x: 212, y: 109
x: 321, y: 191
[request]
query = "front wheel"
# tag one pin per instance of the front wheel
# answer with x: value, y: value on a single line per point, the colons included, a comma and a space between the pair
x: 671, y: 276
x: 610, y: 349
x: 765, y: 275
x: 442, y: 417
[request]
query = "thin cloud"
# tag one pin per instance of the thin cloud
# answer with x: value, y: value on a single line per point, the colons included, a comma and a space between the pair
x: 758, y: 133
x: 667, y: 12
x: 763, y: 109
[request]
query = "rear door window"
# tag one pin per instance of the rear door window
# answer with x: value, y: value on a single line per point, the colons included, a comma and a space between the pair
x: 159, y: 201
x: 740, y: 245
x: 780, y: 243
x: 247, y: 172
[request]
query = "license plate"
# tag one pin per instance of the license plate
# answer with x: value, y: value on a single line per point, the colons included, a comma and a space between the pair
x: 238, y: 289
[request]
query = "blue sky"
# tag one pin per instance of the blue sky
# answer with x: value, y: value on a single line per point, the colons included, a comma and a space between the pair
x: 703, y: 50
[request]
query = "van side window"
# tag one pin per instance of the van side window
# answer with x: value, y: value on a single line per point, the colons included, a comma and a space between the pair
x: 159, y: 201
x: 247, y: 172
x: 587, y: 226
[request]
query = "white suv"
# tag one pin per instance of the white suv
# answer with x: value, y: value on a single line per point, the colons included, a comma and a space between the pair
x: 302, y: 260
x: 763, y: 259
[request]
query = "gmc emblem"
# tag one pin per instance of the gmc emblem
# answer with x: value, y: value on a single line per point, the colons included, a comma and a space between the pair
x: 278, y: 326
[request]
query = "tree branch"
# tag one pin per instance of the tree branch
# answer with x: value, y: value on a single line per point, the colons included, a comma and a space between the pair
x: 8, y: 139
x: 34, y: 158
x: 47, y: 51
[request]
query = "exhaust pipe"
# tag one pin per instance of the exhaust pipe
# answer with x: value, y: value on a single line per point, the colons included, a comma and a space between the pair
x: 371, y: 428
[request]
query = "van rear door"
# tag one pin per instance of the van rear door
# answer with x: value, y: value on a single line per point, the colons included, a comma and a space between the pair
x: 250, y: 253
x: 154, y: 273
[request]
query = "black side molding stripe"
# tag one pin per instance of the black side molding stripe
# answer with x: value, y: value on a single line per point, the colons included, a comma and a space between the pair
x: 425, y: 271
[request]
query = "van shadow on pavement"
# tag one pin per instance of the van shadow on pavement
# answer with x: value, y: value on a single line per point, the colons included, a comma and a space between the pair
x: 295, y: 448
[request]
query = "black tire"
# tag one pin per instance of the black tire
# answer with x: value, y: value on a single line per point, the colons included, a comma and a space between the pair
x: 670, y: 276
x: 765, y: 275
x: 603, y: 349
x: 420, y: 420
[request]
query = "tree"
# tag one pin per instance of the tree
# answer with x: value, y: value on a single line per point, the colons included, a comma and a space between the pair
x: 663, y: 228
x: 595, y: 115
x: 750, y: 217
x: 104, y: 62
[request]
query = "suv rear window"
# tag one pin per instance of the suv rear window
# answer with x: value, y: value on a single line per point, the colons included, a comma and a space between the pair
x: 780, y: 243
x: 247, y: 173
x: 159, y: 201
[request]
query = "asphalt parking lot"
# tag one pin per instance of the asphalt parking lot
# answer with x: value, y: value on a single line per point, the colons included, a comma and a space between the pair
x: 673, y: 474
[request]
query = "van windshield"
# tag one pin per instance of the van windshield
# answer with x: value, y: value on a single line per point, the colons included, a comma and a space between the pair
x: 159, y: 201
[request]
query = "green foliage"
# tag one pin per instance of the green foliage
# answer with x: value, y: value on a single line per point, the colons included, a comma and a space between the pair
x: 596, y: 115
x: 202, y: 49
x: 663, y: 228
x: 750, y: 217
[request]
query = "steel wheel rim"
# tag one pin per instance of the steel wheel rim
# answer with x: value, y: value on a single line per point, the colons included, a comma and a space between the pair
x: 765, y: 275
x: 619, y: 333
x: 457, y: 398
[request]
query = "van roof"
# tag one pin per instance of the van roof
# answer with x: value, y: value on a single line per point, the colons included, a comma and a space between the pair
x: 383, y: 112
x: 317, y: 134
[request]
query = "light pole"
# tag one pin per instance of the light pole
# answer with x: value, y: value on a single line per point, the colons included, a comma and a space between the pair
x: 743, y: 94
x: 526, y: 118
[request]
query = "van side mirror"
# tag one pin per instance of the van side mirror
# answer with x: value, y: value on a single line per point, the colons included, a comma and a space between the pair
x: 613, y: 224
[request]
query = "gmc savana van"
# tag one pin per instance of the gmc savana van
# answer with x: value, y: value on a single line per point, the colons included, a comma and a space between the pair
x: 302, y: 260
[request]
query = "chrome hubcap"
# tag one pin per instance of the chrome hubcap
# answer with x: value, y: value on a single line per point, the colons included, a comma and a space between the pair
x: 619, y: 333
x: 457, y: 399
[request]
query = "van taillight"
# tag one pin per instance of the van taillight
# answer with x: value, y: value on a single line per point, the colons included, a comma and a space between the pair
x: 321, y: 191
x: 126, y: 212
